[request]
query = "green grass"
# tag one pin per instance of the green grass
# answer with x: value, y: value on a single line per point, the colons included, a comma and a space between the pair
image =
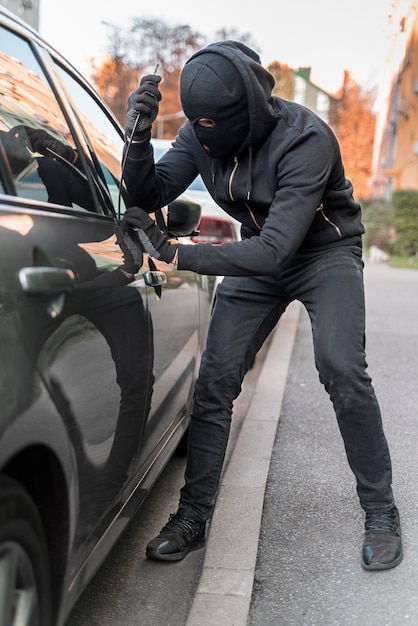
x: 410, y: 262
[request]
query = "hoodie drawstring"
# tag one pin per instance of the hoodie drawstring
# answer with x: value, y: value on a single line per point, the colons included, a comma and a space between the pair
x: 249, y: 171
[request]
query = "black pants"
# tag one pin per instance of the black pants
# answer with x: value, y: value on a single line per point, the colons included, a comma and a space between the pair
x: 330, y: 285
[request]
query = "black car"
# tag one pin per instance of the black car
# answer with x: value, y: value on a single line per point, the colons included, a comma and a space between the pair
x: 97, y: 373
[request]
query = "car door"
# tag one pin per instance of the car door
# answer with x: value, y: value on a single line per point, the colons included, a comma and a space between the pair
x: 85, y: 337
x: 117, y: 360
x: 173, y: 308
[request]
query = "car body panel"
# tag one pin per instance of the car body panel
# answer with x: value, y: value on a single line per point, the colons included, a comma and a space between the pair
x: 97, y: 377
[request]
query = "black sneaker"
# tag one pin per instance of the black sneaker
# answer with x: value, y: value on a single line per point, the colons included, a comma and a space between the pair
x: 382, y: 547
x: 178, y: 537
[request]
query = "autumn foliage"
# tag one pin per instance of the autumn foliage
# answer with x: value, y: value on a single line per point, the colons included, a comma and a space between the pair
x: 114, y: 80
x: 150, y: 42
x: 355, y: 129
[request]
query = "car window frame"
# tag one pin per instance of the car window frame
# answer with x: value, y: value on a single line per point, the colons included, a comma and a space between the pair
x: 43, y: 55
x: 100, y: 168
x: 87, y: 155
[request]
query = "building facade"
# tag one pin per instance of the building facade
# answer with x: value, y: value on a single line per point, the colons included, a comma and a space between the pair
x: 27, y: 10
x: 312, y: 96
x: 395, y: 162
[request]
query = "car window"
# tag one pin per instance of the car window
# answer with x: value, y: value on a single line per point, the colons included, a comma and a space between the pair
x: 36, y: 146
x: 100, y: 133
x: 196, y: 185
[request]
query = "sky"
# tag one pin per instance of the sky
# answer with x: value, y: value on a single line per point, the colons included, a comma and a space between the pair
x: 329, y: 36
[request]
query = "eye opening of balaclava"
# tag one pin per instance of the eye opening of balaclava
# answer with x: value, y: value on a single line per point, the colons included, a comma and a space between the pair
x: 211, y: 87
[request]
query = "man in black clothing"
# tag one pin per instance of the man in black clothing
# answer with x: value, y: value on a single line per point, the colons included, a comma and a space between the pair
x: 276, y: 167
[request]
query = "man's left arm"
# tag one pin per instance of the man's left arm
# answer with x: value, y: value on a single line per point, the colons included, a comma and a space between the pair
x: 300, y: 187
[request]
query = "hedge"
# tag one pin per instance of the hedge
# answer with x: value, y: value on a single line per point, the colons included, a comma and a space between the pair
x: 405, y: 222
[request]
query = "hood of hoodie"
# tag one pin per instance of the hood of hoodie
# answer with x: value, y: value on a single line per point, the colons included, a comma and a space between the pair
x: 255, y: 87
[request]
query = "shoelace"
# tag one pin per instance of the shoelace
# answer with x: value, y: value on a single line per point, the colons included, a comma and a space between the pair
x: 382, y: 523
x: 182, y: 525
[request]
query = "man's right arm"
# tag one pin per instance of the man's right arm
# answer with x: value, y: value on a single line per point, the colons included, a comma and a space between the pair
x: 137, y: 162
x: 151, y: 185
x: 139, y: 177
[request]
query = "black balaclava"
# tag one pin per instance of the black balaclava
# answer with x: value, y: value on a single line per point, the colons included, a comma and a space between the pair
x: 210, y: 86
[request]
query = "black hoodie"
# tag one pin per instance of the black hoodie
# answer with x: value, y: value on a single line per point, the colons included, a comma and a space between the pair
x: 287, y: 186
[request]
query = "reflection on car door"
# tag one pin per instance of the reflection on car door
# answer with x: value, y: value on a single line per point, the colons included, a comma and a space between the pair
x: 89, y: 346
x: 174, y: 314
x: 175, y: 321
x: 111, y: 356
x: 86, y: 341
x: 97, y: 368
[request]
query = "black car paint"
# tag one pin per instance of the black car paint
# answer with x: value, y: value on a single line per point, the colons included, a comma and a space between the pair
x: 96, y: 383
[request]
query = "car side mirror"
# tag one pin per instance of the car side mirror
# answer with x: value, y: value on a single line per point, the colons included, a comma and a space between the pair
x: 183, y: 217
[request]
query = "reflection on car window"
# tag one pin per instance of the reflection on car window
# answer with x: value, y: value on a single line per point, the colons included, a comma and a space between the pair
x: 36, y: 143
x: 100, y: 133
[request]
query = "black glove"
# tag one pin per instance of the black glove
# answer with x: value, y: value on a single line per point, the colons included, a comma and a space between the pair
x: 145, y: 102
x: 44, y: 143
x: 122, y: 275
x: 144, y: 232
x: 132, y: 256
x: 17, y: 155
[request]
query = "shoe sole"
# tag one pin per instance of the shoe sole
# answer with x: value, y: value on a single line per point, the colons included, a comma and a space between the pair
x: 175, y: 556
x: 382, y: 566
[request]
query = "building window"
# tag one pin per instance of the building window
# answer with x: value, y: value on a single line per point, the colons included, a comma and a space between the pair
x: 322, y: 106
x: 300, y: 90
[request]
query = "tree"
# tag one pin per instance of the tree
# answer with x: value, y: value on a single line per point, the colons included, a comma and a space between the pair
x: 137, y: 51
x: 354, y: 126
x: 155, y: 42
x: 223, y: 34
x: 148, y: 45
x: 115, y: 80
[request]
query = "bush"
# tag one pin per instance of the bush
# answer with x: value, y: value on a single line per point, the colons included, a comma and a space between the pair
x: 405, y: 211
x: 378, y: 220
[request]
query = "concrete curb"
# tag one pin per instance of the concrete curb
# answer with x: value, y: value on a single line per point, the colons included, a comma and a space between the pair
x: 223, y: 595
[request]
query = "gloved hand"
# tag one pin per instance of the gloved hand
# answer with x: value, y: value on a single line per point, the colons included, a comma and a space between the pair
x: 145, y: 102
x: 143, y: 231
x: 17, y: 155
x: 132, y: 256
x: 122, y: 275
x: 42, y: 142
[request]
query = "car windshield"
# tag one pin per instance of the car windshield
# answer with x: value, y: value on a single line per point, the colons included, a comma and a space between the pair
x: 196, y: 185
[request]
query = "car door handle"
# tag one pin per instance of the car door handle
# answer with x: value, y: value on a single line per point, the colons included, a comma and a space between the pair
x: 46, y: 280
x: 154, y: 278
